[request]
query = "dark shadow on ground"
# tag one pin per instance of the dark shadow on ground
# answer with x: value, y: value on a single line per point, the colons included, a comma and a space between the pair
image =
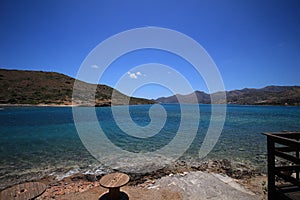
x: 123, y: 196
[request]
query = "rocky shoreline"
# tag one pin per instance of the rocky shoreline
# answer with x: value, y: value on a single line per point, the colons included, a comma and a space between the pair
x: 224, y: 166
x: 79, y: 183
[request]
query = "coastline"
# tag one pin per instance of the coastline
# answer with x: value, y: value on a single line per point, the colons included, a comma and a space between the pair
x: 38, y: 105
x: 2, y: 106
x: 64, y: 105
x: 249, y: 179
x: 242, y: 178
x: 73, y: 183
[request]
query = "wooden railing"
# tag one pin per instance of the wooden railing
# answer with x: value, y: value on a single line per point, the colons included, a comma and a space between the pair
x: 283, y: 165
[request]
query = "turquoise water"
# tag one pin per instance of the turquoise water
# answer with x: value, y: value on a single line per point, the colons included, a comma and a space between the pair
x: 43, y: 140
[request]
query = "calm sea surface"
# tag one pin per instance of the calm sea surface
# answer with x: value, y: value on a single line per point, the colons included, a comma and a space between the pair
x: 43, y: 140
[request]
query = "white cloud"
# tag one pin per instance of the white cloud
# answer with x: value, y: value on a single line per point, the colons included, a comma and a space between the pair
x: 132, y: 75
x: 139, y: 73
x: 95, y: 66
x: 135, y: 75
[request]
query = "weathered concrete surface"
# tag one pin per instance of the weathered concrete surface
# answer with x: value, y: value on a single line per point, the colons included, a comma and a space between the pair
x: 202, y: 185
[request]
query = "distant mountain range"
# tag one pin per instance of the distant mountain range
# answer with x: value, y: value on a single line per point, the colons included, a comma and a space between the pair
x: 270, y: 95
x: 37, y: 87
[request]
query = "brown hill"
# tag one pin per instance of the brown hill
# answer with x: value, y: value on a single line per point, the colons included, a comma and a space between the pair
x: 270, y: 95
x: 37, y: 87
x: 189, y: 98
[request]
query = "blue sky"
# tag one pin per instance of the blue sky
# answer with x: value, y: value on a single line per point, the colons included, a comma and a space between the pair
x: 253, y: 43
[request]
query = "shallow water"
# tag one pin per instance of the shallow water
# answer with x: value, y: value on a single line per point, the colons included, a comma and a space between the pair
x: 43, y: 140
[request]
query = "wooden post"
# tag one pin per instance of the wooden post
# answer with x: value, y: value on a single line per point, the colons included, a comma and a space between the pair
x: 271, y: 168
x: 114, y: 193
x: 297, y: 171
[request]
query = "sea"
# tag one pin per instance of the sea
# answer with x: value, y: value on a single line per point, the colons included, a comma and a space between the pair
x: 39, y: 141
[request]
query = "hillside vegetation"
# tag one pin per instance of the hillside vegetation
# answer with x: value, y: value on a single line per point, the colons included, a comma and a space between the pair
x: 37, y: 87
